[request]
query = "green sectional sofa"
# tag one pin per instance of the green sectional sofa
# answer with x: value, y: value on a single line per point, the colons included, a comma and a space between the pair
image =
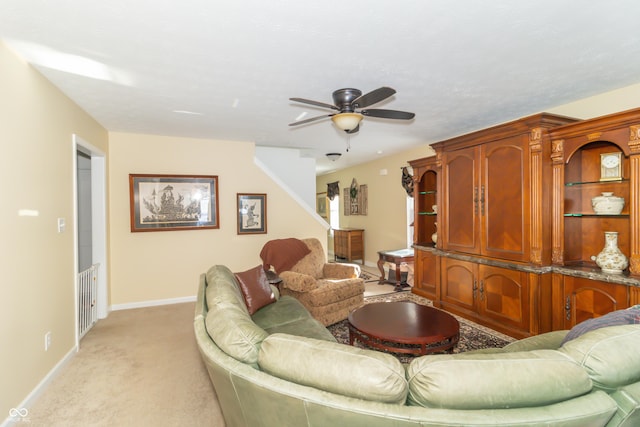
x: 280, y: 367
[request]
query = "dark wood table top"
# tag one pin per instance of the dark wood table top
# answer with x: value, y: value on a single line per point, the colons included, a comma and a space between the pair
x: 405, y: 322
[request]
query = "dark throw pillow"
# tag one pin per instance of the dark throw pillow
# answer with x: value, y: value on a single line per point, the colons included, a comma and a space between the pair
x: 255, y: 288
x: 627, y: 316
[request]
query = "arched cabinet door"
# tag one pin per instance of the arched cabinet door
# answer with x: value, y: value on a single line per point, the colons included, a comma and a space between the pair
x: 504, y: 296
x: 461, y: 201
x: 587, y: 299
x: 459, y: 285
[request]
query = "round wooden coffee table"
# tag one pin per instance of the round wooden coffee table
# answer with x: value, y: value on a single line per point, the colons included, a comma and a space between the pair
x: 404, y: 327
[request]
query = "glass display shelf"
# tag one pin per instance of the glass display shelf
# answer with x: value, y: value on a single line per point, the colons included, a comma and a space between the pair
x: 427, y: 192
x: 593, y: 215
x: 577, y: 184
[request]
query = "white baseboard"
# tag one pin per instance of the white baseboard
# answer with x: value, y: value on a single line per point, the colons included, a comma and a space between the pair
x: 152, y: 303
x: 22, y: 410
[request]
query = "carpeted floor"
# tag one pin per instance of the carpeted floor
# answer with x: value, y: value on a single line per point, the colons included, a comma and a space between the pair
x: 141, y: 367
x: 138, y: 367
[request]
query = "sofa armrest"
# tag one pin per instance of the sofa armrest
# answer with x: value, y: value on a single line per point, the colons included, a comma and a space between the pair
x: 336, y: 270
x: 297, y: 281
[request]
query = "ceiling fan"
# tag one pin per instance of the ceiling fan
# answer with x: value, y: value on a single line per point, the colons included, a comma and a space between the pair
x: 348, y: 102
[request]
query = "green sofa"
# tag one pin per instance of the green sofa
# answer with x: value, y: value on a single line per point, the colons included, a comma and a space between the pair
x: 281, y: 367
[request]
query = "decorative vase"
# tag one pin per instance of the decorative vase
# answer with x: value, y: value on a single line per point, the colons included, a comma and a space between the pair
x: 611, y: 259
x: 434, y: 236
x: 607, y: 204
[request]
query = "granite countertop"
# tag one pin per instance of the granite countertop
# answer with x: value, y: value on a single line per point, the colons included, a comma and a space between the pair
x: 575, y: 271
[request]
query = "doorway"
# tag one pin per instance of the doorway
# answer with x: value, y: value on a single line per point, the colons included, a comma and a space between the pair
x: 90, y: 226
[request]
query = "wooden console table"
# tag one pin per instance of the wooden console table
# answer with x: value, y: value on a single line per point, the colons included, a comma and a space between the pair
x: 348, y: 243
x: 397, y: 257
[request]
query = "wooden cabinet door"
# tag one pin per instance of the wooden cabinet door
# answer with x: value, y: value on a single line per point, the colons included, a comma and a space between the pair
x: 460, y: 201
x: 504, y: 297
x: 586, y: 299
x: 425, y: 274
x: 504, y: 200
x: 459, y: 284
x: 340, y: 243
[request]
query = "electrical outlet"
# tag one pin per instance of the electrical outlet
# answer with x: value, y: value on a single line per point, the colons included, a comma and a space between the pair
x: 47, y: 341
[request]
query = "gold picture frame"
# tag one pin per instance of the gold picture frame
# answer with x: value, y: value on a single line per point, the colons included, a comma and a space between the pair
x: 321, y: 204
x: 173, y: 202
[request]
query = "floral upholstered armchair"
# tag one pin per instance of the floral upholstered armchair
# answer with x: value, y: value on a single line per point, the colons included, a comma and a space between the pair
x: 328, y: 290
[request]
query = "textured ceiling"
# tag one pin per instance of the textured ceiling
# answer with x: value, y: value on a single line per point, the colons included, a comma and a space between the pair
x: 226, y: 69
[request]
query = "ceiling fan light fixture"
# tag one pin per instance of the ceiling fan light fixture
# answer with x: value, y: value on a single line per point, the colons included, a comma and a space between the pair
x: 333, y: 156
x: 346, y: 121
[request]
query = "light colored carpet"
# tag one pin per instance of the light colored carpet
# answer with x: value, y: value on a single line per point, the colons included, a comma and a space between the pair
x: 138, y: 367
x: 371, y: 286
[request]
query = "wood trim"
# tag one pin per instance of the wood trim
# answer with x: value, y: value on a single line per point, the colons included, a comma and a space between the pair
x: 557, y: 202
x: 634, y: 198
x: 535, y: 196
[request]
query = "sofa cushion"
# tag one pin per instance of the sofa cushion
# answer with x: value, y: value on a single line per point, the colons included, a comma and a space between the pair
x: 235, y: 333
x: 255, y: 288
x: 334, y: 367
x: 611, y: 355
x: 222, y: 287
x: 228, y: 321
x: 629, y: 316
x: 289, y: 316
x: 495, y: 381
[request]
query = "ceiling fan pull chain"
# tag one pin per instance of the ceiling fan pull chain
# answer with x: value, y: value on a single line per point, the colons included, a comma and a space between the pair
x: 348, y: 142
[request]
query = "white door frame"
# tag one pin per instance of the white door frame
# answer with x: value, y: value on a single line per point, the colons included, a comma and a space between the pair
x: 98, y: 221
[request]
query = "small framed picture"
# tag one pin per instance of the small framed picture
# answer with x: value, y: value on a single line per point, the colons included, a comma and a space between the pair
x: 173, y: 202
x: 252, y: 213
x: 321, y: 204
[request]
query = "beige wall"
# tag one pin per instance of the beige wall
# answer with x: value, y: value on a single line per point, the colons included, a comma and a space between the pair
x: 36, y: 168
x: 385, y: 224
x: 622, y: 99
x: 166, y: 265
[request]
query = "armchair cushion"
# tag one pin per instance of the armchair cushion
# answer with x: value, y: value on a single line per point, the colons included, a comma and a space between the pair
x: 312, y: 263
x: 298, y: 282
x: 341, y: 271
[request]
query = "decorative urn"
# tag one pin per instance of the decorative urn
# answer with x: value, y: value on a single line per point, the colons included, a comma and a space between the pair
x: 611, y: 260
x: 607, y: 204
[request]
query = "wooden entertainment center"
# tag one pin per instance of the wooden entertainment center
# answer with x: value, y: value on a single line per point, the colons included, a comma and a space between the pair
x: 514, y: 223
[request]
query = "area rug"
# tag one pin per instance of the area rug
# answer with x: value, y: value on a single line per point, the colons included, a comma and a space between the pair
x: 368, y: 277
x: 472, y: 335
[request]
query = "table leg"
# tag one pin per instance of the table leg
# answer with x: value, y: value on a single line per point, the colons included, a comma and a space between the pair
x: 381, y: 268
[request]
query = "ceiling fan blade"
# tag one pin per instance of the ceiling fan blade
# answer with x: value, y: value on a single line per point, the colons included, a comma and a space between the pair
x: 388, y: 114
x: 373, y: 97
x: 316, y: 103
x: 312, y: 119
x: 354, y: 130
